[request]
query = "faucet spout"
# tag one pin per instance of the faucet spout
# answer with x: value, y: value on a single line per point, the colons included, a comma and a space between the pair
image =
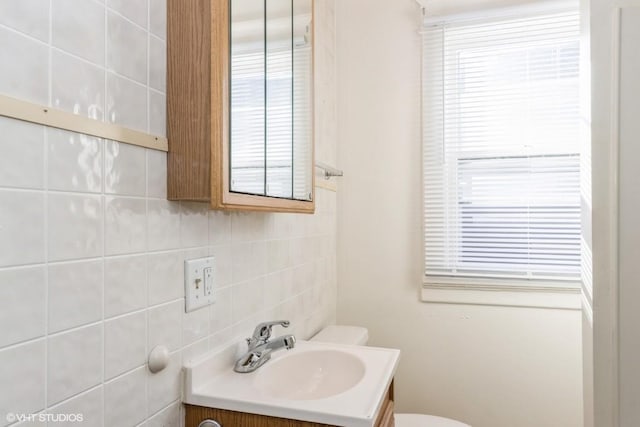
x: 260, y: 348
x: 285, y: 341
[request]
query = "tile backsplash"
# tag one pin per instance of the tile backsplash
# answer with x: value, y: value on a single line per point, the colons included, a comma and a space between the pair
x: 91, y: 252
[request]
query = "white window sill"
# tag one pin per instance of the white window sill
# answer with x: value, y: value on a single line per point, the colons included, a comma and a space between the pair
x: 514, y: 295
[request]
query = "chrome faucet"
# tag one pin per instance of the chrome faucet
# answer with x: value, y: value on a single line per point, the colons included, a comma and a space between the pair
x: 260, y: 348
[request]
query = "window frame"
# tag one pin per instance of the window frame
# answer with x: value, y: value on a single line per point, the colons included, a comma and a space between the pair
x: 501, y: 291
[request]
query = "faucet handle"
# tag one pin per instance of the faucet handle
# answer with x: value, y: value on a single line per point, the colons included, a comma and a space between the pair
x: 263, y: 330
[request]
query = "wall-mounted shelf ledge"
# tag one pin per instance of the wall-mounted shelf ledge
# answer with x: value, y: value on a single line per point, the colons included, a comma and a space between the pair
x: 52, y: 117
x: 329, y: 171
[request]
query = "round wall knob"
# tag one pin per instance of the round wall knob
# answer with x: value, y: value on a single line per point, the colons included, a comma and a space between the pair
x: 158, y: 359
x: 209, y: 423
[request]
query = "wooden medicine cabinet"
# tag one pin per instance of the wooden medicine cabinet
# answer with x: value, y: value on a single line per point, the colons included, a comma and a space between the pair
x: 240, y: 104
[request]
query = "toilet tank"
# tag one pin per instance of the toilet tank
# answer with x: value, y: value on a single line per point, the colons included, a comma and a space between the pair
x: 340, y: 334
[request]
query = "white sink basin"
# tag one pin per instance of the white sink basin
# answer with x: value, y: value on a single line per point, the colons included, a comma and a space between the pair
x: 310, y: 375
x: 329, y: 384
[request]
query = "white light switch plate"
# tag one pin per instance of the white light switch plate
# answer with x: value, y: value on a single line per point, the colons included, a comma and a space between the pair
x: 198, y: 283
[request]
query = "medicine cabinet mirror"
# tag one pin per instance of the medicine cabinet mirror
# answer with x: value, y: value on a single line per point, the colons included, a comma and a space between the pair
x: 240, y: 103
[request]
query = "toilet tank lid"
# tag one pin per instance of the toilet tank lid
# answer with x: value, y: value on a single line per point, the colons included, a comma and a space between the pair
x: 341, y: 334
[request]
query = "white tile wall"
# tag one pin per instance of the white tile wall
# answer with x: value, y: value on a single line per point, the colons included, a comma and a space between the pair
x: 25, y: 64
x: 79, y: 28
x: 28, y: 16
x: 126, y: 47
x: 75, y: 294
x: 74, y: 161
x: 91, y: 252
x: 124, y: 400
x: 66, y: 94
x: 125, y: 285
x: 22, y: 160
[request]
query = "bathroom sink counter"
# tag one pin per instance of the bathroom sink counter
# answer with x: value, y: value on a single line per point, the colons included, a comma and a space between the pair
x: 211, y: 382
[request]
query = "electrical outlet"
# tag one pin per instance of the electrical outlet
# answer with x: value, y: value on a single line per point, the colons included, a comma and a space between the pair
x: 198, y: 283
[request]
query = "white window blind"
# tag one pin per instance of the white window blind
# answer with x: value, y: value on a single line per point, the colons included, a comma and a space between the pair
x: 501, y: 148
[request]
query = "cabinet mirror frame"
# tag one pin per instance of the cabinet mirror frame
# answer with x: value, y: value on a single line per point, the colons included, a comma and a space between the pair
x: 222, y: 196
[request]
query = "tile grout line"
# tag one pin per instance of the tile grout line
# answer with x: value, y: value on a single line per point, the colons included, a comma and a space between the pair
x: 104, y: 213
x: 148, y: 75
x: 89, y: 325
x: 45, y: 176
x: 146, y: 193
x: 129, y: 20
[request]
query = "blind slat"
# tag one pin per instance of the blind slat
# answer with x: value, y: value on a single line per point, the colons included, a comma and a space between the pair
x: 501, y: 148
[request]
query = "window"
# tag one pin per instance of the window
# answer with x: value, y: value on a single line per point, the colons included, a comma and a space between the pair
x: 501, y: 146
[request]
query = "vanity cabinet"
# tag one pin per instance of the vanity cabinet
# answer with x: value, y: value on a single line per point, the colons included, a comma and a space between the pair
x: 196, y: 414
x: 240, y: 104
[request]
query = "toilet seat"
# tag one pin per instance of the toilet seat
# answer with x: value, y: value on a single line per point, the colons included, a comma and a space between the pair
x: 420, y: 420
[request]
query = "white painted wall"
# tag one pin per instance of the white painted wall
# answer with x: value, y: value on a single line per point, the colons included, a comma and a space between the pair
x: 487, y: 366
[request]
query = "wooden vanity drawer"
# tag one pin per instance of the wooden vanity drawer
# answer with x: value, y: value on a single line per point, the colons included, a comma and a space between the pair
x: 196, y: 414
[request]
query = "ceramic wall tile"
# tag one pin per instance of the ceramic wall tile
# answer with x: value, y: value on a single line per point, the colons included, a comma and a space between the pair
x: 165, y: 325
x: 194, y: 224
x: 126, y: 103
x: 25, y: 67
x: 77, y: 86
x: 125, y: 400
x: 195, y: 350
x: 27, y: 16
x: 75, y: 294
x: 195, y: 326
x: 164, y: 387
x: 89, y: 405
x: 125, y: 171
x: 169, y: 417
x: 278, y: 255
x: 156, y: 174
x: 79, y: 28
x: 22, y: 239
x: 158, y: 18
x: 249, y: 260
x: 219, y: 227
x: 247, y: 299
x: 22, y: 304
x: 220, y: 312
x: 75, y: 226
x: 135, y: 10
x: 74, y: 161
x: 125, y: 284
x: 74, y: 362
x: 248, y: 226
x: 126, y: 47
x: 222, y: 271
x: 23, y: 367
x: 124, y: 343
x: 157, y: 113
x: 163, y: 225
x: 125, y: 225
x: 166, y: 278
x: 22, y: 160
x: 157, y: 64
